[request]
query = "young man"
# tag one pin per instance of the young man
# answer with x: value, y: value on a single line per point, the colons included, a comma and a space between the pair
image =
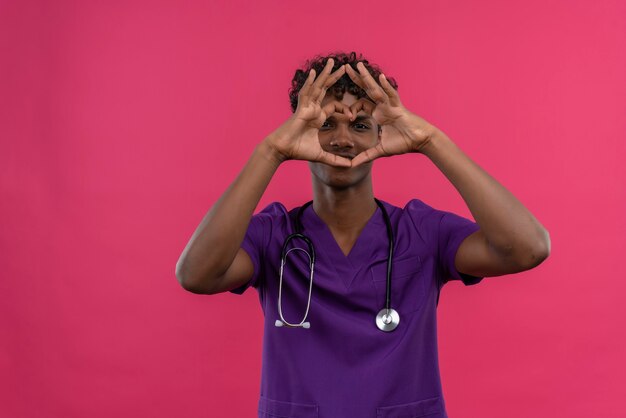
x: 357, y: 336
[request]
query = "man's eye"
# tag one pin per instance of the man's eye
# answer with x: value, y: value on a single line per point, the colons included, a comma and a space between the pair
x: 361, y: 126
x: 326, y: 124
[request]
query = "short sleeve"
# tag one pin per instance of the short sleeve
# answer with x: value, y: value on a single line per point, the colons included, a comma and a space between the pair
x: 254, y: 244
x: 453, y: 229
x: 444, y: 232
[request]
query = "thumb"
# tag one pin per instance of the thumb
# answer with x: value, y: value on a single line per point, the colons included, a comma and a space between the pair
x: 368, y: 155
x: 334, y: 160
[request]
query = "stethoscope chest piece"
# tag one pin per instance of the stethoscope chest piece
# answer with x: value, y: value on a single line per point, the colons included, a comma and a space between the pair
x: 387, y: 319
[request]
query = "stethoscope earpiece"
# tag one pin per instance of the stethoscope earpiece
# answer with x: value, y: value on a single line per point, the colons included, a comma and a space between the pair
x: 280, y: 324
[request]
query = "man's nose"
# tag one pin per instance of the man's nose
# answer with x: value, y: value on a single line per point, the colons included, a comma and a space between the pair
x: 341, y: 137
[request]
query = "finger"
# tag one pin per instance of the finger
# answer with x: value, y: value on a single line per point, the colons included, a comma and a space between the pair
x: 332, y: 79
x: 354, y: 76
x: 318, y: 89
x: 335, y: 106
x: 386, y: 85
x: 324, y: 74
x: 363, y: 105
x: 307, y: 83
x: 334, y: 160
x: 373, y: 90
x: 367, y: 156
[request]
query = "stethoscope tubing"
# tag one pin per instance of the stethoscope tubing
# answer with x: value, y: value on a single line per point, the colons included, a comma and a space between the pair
x: 285, y: 253
x: 390, y: 256
x: 387, y: 318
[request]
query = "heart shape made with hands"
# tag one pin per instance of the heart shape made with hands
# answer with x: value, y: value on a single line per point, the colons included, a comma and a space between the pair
x: 298, y: 138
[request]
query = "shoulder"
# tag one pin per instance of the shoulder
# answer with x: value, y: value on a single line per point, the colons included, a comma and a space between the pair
x: 417, y: 211
x: 274, y: 209
x: 414, y: 216
x: 272, y: 213
x: 418, y: 206
x: 267, y: 219
x: 428, y: 221
x: 274, y: 216
x: 422, y: 213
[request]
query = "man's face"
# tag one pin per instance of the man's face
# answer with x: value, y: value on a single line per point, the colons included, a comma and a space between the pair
x: 339, y: 135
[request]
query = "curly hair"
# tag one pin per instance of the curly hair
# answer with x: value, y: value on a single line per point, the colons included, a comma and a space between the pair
x: 342, y: 85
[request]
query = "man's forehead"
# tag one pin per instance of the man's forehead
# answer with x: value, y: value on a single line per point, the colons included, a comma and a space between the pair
x: 364, y: 113
x: 360, y: 116
x: 347, y: 98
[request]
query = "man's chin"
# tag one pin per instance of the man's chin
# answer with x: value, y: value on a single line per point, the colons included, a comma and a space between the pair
x: 338, y: 168
x: 339, y: 177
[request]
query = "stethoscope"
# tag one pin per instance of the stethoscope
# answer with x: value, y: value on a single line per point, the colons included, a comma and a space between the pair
x: 387, y: 318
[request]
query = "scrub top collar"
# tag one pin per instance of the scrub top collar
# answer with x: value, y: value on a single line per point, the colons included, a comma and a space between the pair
x: 325, y: 244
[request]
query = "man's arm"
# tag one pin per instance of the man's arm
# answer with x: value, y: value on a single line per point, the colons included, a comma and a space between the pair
x: 510, y: 238
x: 213, y: 261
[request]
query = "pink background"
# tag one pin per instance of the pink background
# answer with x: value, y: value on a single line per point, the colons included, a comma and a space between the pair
x: 122, y: 122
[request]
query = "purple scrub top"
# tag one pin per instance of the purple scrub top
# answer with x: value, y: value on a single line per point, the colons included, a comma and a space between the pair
x: 343, y: 365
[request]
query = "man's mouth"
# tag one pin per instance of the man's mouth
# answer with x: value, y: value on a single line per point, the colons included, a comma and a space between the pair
x: 347, y: 155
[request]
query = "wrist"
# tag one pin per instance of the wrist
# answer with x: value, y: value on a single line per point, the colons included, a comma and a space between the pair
x: 417, y: 131
x: 433, y: 138
x: 269, y: 151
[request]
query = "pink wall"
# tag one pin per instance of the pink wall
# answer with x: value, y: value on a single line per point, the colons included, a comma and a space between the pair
x: 122, y: 122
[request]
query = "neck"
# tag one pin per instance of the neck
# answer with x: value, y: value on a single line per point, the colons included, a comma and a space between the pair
x: 344, y: 209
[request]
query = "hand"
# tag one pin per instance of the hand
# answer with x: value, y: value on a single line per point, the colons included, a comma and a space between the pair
x: 297, y: 138
x: 403, y: 131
